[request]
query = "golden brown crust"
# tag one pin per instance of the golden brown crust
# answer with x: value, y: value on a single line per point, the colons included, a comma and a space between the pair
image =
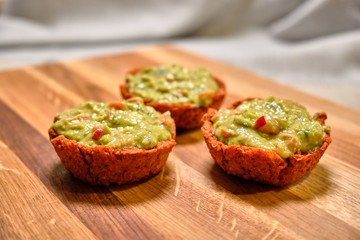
x: 261, y: 165
x: 186, y: 116
x: 103, y: 165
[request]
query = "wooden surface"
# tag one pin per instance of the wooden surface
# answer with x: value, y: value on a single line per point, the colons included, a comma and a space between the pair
x: 192, y: 198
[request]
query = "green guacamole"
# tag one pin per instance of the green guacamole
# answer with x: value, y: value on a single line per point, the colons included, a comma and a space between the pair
x: 174, y: 84
x: 121, y: 124
x: 274, y: 124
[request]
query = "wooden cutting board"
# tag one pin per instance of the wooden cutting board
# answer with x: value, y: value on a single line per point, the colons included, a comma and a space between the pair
x: 192, y: 198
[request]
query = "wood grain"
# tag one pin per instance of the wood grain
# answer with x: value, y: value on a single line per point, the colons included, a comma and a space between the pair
x: 29, y: 209
x: 192, y: 198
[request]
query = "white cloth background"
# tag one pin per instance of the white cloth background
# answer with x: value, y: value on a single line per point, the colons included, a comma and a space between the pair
x: 313, y: 45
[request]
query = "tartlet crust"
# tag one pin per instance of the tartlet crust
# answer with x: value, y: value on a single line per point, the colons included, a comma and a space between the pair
x: 258, y: 164
x: 103, y: 165
x: 186, y: 116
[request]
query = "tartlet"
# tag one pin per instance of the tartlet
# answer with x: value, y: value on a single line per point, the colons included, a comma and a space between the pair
x: 261, y: 165
x: 186, y: 115
x: 106, y: 164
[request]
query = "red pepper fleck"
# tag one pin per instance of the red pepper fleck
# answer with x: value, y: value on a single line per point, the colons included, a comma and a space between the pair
x: 97, y: 134
x: 260, y: 122
x: 117, y: 105
x: 225, y: 133
x: 165, y: 120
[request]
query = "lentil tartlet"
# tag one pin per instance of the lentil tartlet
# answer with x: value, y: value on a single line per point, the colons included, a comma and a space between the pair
x: 186, y: 93
x: 118, y: 142
x: 271, y: 141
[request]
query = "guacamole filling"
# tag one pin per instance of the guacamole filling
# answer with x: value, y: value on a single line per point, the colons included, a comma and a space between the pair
x: 119, y: 124
x: 174, y: 84
x: 282, y: 126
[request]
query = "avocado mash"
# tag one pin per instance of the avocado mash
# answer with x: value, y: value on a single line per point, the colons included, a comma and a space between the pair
x: 279, y: 125
x: 119, y: 124
x: 173, y: 84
